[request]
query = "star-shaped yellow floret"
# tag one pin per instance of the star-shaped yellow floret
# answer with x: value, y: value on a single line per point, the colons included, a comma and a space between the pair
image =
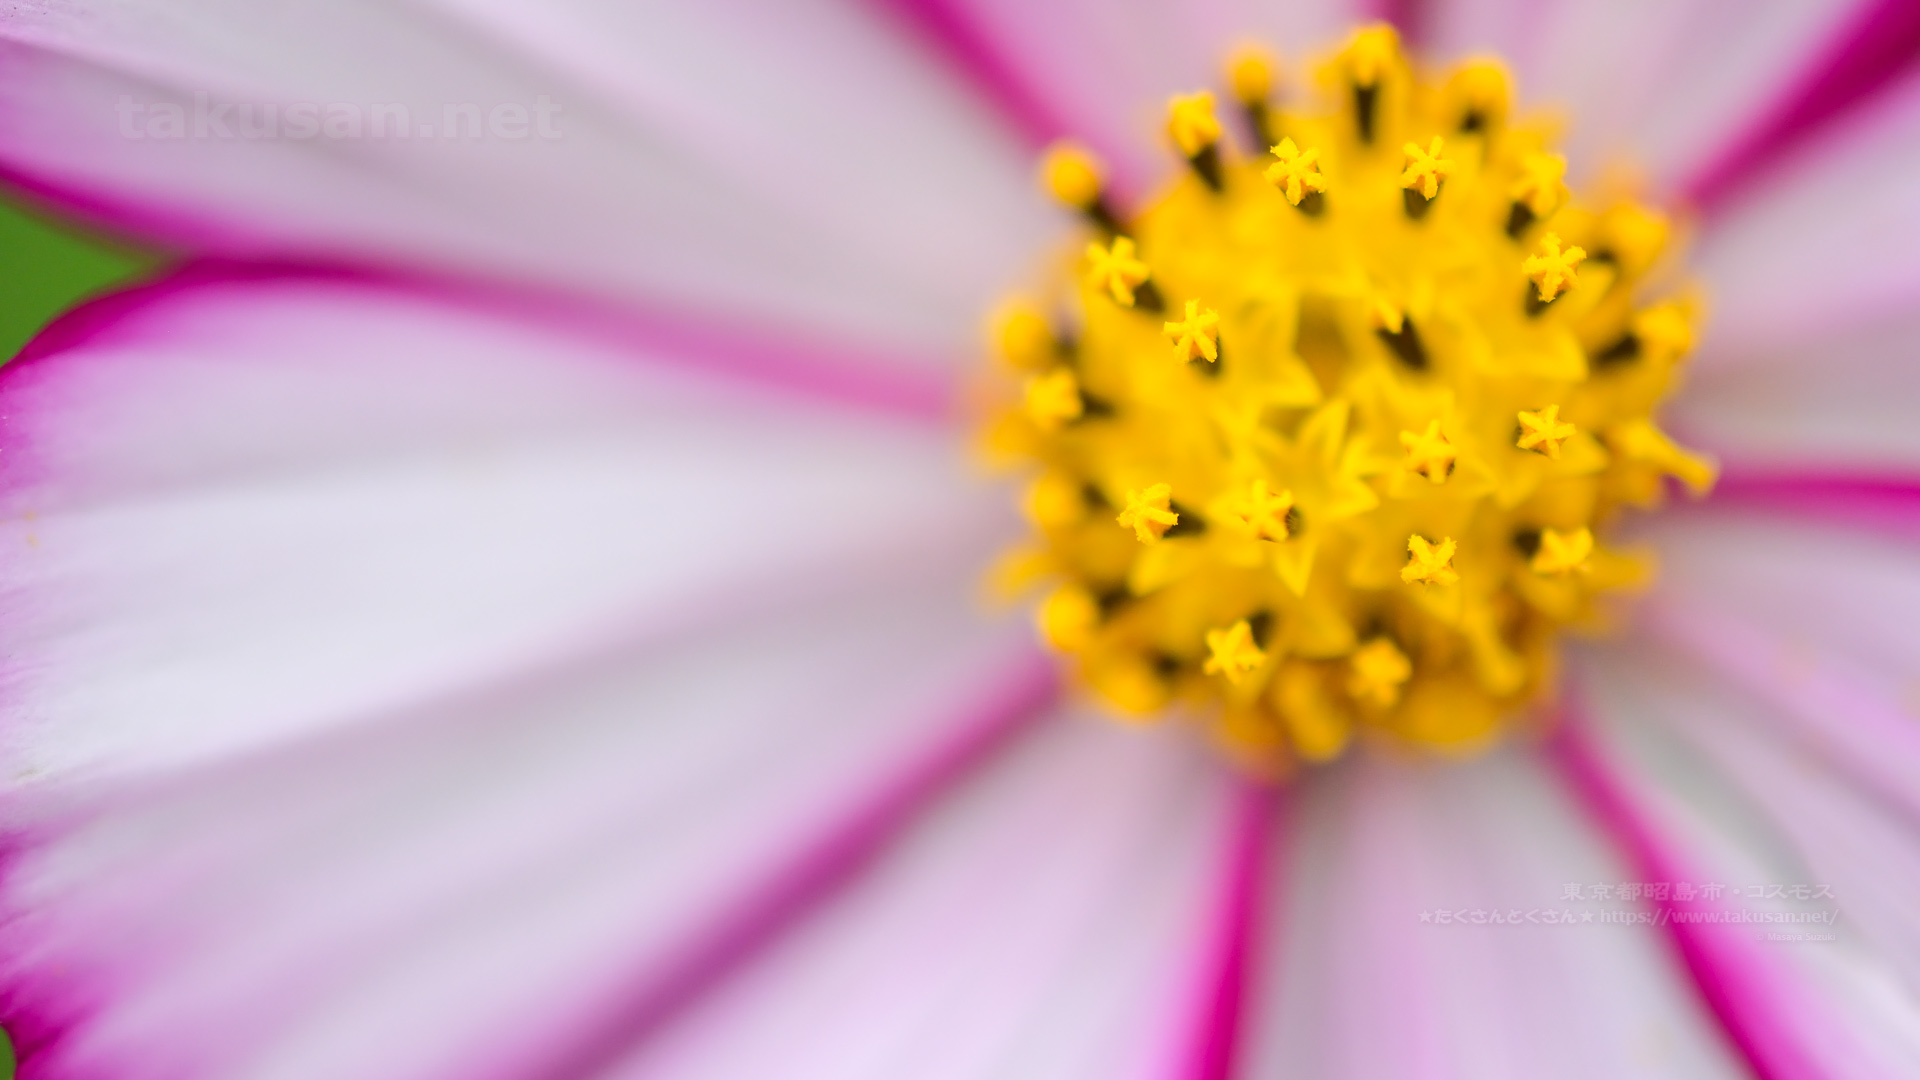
x: 1426, y: 168
x: 1561, y: 552
x: 1540, y: 185
x: 1428, y: 452
x: 1149, y: 513
x: 1296, y: 172
x: 1429, y: 563
x: 1378, y: 669
x: 1191, y: 122
x: 1262, y: 512
x: 1552, y: 270
x: 1197, y: 336
x: 1054, y: 399
x: 1115, y: 269
x: 1232, y: 652
x: 1544, y: 431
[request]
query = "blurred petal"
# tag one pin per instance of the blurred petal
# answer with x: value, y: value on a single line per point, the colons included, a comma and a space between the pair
x: 1661, y: 84
x: 246, y: 510
x: 1368, y: 987
x: 1046, y: 923
x: 1815, y: 619
x: 797, y: 165
x: 1843, y: 403
x: 1819, y: 1008
x: 1828, y: 243
x: 1102, y: 71
x: 388, y: 678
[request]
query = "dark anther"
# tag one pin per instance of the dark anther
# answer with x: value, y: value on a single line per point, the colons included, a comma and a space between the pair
x: 1417, y: 204
x: 1535, y: 305
x: 1146, y: 297
x: 1094, y: 408
x: 1518, y: 219
x: 1405, y: 344
x: 1212, y: 369
x: 1603, y: 255
x: 1526, y: 541
x: 1260, y: 124
x: 1111, y: 599
x: 1474, y: 121
x: 1261, y: 623
x: 1364, y: 99
x: 1313, y: 204
x: 1165, y: 665
x: 1620, y: 352
x: 1296, y: 521
x: 1095, y: 499
x: 1103, y: 217
x: 1190, y: 523
x: 1206, y: 165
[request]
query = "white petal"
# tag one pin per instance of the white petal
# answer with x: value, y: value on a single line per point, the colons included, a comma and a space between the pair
x: 799, y: 165
x: 1104, y: 70
x: 1829, y: 242
x: 1838, y: 1005
x: 1047, y: 923
x: 1814, y: 618
x: 1661, y: 84
x: 1367, y: 987
x: 251, y: 510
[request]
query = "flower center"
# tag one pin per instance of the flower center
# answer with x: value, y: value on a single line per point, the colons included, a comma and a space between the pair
x: 1333, y: 437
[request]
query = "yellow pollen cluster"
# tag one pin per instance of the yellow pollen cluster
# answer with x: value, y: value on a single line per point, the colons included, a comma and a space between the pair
x: 1327, y: 439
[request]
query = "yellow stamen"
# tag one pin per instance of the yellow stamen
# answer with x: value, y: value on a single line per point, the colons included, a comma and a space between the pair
x: 1428, y: 452
x: 1378, y: 670
x: 1371, y: 53
x: 1191, y: 122
x: 1073, y: 175
x: 1368, y: 352
x: 1115, y: 269
x: 1429, y: 563
x: 1149, y: 512
x: 1250, y: 70
x: 1426, y: 168
x: 1232, y: 652
x: 1022, y: 336
x: 1562, y: 552
x: 1197, y: 336
x: 1069, y: 617
x: 1552, y: 270
x: 1054, y: 399
x: 1297, y: 171
x: 1540, y: 186
x: 1260, y: 512
x: 1543, y: 431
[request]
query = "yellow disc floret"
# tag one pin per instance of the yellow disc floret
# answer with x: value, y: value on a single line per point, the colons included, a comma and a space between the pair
x: 1333, y: 441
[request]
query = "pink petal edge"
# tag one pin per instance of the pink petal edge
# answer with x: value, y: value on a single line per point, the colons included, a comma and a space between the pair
x: 1740, y: 987
x: 1861, y: 60
x: 789, y: 892
x: 1229, y: 974
x: 812, y: 370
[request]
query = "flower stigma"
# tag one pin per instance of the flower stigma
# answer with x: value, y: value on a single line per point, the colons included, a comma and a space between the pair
x: 1328, y: 441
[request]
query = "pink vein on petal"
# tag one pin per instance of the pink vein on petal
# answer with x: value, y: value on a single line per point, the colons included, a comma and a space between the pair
x: 789, y: 892
x: 813, y: 370
x: 946, y: 26
x: 1744, y: 990
x: 1864, y: 56
x: 1881, y: 500
x: 1226, y: 983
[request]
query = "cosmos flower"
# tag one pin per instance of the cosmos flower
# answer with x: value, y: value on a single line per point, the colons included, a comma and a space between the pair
x: 509, y: 606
